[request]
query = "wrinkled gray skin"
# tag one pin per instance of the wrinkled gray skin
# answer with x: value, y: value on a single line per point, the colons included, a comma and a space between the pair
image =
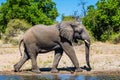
x: 42, y: 39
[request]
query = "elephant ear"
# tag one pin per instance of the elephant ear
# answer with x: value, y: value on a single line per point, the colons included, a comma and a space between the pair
x: 66, y: 31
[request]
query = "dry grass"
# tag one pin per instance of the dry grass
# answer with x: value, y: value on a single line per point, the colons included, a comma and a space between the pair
x: 103, y: 56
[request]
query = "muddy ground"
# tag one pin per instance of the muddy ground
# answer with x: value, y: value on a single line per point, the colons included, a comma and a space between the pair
x: 104, y: 59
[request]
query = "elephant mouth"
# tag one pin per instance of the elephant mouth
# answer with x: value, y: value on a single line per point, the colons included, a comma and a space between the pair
x: 76, y: 40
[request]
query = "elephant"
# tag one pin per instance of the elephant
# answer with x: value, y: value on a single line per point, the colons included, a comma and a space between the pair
x: 58, y: 38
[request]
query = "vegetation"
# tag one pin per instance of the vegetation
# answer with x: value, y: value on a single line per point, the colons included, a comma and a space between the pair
x: 67, y: 18
x: 16, y: 15
x: 15, y: 27
x: 33, y: 11
x: 103, y: 20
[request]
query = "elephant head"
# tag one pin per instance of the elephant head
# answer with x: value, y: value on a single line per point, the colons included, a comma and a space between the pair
x: 73, y: 31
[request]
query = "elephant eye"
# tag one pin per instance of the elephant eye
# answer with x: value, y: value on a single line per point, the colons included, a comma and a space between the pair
x: 80, y: 31
x: 75, y: 25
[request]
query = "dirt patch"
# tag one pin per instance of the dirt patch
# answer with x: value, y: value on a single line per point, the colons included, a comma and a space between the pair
x: 104, y: 58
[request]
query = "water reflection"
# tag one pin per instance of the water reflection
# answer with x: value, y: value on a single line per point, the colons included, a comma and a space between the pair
x: 59, y: 77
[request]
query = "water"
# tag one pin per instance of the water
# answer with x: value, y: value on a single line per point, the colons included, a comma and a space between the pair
x: 60, y: 77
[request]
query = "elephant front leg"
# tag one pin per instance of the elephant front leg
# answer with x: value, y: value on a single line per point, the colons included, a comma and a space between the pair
x: 57, y: 57
x: 67, y: 47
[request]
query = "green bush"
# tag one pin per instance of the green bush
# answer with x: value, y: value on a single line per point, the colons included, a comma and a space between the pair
x: 103, y: 19
x: 115, y: 38
x: 106, y: 36
x: 14, y: 28
x: 14, y: 42
x: 33, y: 11
x: 92, y: 38
x: 10, y: 40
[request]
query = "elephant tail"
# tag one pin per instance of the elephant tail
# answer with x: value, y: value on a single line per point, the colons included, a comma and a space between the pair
x: 19, y: 46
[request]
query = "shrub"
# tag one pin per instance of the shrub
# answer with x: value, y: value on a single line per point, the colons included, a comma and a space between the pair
x: 14, y: 28
x: 106, y: 35
x: 115, y: 38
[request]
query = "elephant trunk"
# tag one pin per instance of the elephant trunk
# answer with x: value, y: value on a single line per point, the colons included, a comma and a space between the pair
x: 87, y: 50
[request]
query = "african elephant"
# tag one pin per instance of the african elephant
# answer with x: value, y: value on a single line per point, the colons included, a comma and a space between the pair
x: 59, y: 37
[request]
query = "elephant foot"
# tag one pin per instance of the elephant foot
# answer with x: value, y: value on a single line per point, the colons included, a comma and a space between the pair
x: 87, y: 68
x: 54, y: 71
x: 16, y: 69
x: 78, y: 70
x: 36, y: 70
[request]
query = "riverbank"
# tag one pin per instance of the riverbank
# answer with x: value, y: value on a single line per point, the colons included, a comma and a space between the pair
x: 104, y: 59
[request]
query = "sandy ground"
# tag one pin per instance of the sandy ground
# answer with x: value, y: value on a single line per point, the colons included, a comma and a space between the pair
x: 104, y: 58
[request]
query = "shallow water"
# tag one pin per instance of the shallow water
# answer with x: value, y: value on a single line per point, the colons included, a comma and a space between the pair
x: 60, y: 77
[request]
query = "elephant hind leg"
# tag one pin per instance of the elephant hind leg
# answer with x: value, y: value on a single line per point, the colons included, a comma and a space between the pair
x: 18, y: 65
x: 35, y: 68
x: 33, y: 52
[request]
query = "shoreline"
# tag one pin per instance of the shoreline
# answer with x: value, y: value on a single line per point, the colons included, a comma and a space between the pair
x: 86, y: 73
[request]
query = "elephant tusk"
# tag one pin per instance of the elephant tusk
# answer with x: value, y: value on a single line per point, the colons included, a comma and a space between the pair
x: 86, y: 41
